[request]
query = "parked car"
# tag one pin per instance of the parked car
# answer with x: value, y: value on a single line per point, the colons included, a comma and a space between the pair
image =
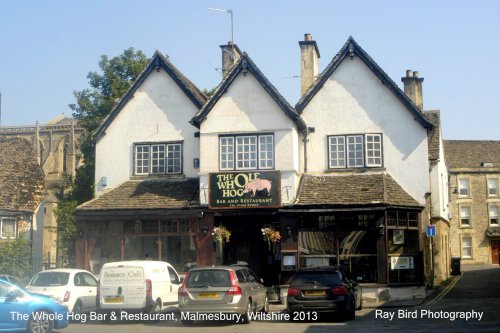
x: 75, y: 287
x: 21, y: 311
x: 222, y: 289
x: 323, y: 289
x: 11, y: 279
x: 138, y: 285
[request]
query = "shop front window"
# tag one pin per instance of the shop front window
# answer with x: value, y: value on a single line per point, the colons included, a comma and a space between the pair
x: 170, y: 240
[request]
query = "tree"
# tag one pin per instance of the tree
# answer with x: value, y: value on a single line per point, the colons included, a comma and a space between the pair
x: 92, y: 106
x: 15, y: 257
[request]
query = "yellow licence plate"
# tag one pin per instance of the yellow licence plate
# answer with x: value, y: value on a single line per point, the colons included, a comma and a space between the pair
x: 113, y: 300
x: 208, y: 295
x: 314, y: 293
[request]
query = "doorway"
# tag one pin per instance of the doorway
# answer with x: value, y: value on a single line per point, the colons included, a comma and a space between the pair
x: 247, y: 245
x: 495, y: 248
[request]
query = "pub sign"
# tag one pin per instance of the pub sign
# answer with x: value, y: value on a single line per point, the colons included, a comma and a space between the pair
x: 245, y: 189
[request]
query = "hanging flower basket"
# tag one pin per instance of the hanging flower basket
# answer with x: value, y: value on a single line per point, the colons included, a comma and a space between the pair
x: 221, y: 236
x: 271, y: 236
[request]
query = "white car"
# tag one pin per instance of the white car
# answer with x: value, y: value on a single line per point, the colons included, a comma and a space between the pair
x: 75, y: 287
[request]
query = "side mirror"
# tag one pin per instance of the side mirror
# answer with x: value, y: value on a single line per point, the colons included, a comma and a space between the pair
x: 11, y: 296
x: 262, y: 281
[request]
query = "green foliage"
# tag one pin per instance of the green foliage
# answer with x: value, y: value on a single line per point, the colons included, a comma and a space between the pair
x: 209, y: 93
x: 15, y: 257
x: 66, y: 230
x: 91, y: 107
x: 118, y: 74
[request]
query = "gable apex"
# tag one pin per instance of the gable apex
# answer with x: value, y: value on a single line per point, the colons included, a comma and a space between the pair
x: 157, y: 62
x: 351, y: 49
x: 245, y: 65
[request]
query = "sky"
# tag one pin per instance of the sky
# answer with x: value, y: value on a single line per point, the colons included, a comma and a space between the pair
x: 48, y: 48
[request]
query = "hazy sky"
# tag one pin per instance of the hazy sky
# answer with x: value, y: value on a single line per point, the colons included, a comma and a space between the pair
x: 48, y: 47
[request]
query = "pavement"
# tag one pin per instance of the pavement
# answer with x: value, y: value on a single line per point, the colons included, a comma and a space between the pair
x: 432, y: 295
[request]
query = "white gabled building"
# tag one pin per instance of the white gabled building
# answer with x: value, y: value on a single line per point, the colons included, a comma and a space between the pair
x: 351, y: 176
x: 146, y: 174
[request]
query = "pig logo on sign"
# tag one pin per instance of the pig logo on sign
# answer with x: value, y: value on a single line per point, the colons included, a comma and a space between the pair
x: 258, y: 185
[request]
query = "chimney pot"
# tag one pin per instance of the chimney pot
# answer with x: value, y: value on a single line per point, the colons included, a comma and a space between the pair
x: 413, y: 87
x: 309, y: 55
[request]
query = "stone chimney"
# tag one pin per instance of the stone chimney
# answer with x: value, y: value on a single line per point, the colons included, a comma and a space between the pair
x: 230, y: 55
x: 309, y: 55
x: 413, y: 87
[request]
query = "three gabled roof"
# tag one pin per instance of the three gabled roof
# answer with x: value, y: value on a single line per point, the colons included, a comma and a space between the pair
x: 350, y: 49
x: 157, y: 61
x: 245, y: 64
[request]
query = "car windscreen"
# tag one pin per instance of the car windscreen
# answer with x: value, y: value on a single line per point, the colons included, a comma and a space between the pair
x: 208, y: 278
x: 50, y: 279
x: 316, y: 278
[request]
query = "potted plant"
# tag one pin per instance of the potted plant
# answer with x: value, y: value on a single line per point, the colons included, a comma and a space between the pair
x: 221, y: 236
x: 271, y: 236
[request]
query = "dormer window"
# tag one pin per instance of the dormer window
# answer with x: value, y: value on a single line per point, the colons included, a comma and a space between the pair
x: 158, y: 158
x: 355, y: 151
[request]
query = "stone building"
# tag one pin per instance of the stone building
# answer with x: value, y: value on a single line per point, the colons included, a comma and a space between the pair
x: 55, y: 147
x: 475, y: 200
x: 22, y: 191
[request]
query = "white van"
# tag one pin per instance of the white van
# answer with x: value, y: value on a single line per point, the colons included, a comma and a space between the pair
x: 141, y: 285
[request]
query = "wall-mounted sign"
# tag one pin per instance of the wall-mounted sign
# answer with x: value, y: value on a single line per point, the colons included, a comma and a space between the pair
x: 402, y: 263
x: 245, y: 189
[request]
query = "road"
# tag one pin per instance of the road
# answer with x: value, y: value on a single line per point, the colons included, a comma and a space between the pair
x: 475, y: 294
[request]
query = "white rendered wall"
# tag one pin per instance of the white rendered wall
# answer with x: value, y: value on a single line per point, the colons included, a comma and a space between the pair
x: 246, y: 107
x: 354, y: 101
x: 439, y: 187
x: 158, y: 112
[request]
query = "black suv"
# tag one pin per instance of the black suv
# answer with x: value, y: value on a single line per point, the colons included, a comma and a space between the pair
x: 323, y: 289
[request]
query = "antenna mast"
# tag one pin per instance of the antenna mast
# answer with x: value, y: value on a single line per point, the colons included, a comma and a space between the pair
x: 230, y: 11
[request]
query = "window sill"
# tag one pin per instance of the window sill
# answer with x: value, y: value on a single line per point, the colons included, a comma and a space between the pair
x: 466, y: 227
x: 355, y: 170
x: 157, y: 177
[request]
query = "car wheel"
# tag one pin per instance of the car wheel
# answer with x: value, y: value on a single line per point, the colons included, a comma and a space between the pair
x: 40, y: 323
x: 77, y: 309
x: 155, y: 310
x: 247, y: 317
x: 265, y: 308
x: 186, y: 322
x: 350, y: 312
x: 360, y: 303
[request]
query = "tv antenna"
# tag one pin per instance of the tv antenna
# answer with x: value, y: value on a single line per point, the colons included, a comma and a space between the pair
x: 229, y: 11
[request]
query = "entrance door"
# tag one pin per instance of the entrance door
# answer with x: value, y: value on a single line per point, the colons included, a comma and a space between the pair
x: 495, y: 248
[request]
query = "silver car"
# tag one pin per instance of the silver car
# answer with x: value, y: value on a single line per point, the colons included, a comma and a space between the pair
x: 221, y: 292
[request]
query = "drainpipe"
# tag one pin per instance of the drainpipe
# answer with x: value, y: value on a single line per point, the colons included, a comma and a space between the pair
x: 305, y: 133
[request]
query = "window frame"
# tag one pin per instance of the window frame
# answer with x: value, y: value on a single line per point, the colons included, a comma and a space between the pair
x: 469, y: 247
x: 12, y: 220
x: 490, y: 216
x: 229, y: 159
x: 460, y: 187
x: 345, y: 148
x: 488, y: 187
x: 154, y: 157
x: 469, y: 224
